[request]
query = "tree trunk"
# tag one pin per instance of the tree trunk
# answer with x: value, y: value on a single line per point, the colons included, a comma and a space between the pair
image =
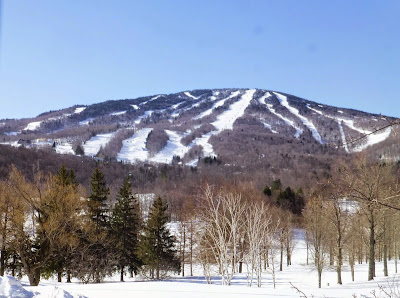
x: 280, y: 265
x: 183, y: 250
x: 122, y: 273
x: 34, y: 277
x: 371, y: 263
x: 2, y: 261
x: 68, y: 276
x: 339, y: 258
x: 319, y: 276
x: 191, y: 248
x: 385, y: 265
x: 59, y: 276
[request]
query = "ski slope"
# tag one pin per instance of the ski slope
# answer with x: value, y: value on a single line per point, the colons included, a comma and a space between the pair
x: 93, y: 146
x: 134, y: 148
x: 173, y: 148
x: 289, y: 122
x: 216, y: 105
x: 306, y: 122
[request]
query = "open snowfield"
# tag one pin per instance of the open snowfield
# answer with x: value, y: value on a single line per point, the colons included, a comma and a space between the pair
x: 302, y: 276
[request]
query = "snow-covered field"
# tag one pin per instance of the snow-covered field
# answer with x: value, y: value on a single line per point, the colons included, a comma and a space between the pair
x: 302, y: 276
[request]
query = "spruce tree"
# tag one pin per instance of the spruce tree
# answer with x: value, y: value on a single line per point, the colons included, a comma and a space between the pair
x: 98, y: 258
x: 157, y: 246
x: 125, y: 228
x: 97, y: 203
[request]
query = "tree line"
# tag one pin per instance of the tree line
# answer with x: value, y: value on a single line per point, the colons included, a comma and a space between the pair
x: 50, y: 226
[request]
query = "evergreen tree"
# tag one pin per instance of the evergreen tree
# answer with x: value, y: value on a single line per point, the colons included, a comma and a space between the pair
x: 156, y: 248
x: 125, y: 228
x: 98, y: 259
x: 97, y: 203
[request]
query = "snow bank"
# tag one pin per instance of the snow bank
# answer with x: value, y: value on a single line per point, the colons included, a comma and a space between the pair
x: 307, y: 123
x: 11, y: 287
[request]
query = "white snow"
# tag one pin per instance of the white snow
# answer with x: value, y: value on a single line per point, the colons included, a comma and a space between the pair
x: 13, y: 144
x: 343, y: 136
x: 289, y: 122
x: 145, y: 115
x: 93, y: 146
x: 151, y: 99
x: 307, y: 123
x: 86, y: 121
x: 79, y: 110
x: 12, y: 133
x: 118, y: 113
x: 301, y: 275
x: 64, y: 148
x: 190, y: 95
x: 193, y: 163
x: 374, y: 138
x: 224, y: 121
x: 33, y: 125
x: 262, y: 99
x: 339, y: 111
x: 235, y: 111
x: 11, y: 287
x: 134, y: 148
x: 175, y: 106
x: 269, y: 127
x: 216, y: 105
x: 371, y: 139
x: 136, y: 107
x: 173, y: 147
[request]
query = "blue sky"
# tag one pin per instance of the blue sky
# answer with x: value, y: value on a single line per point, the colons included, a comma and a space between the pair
x: 55, y: 54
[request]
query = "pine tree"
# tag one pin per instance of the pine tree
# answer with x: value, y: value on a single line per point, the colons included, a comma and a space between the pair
x: 98, y: 258
x: 97, y: 203
x: 125, y: 228
x: 156, y: 248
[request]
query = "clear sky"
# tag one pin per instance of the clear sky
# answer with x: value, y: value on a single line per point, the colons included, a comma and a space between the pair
x: 55, y: 54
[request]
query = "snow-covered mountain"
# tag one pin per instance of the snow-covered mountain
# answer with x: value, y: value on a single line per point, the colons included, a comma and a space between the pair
x: 229, y: 125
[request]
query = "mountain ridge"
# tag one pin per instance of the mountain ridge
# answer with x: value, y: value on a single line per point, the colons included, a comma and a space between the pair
x: 194, y: 124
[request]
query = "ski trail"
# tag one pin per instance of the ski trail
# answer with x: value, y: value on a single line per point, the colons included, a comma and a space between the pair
x: 93, y: 146
x: 134, y: 149
x: 289, y: 122
x: 307, y: 123
x: 216, y: 105
x: 173, y: 148
x: 190, y: 95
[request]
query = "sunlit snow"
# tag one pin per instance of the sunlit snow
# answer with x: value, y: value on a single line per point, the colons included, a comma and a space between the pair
x: 134, y: 149
x: 93, y: 146
x: 307, y: 123
x: 216, y: 105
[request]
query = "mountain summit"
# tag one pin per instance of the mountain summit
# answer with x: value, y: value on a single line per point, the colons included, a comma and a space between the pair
x: 225, y: 125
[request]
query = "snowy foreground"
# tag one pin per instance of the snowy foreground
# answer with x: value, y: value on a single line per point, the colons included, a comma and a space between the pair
x: 302, y: 276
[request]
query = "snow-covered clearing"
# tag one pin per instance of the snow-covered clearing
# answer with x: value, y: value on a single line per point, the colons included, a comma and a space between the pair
x: 136, y: 107
x: 307, y: 123
x: 224, y: 121
x: 289, y: 122
x: 86, y: 121
x: 118, y: 113
x: 33, y: 125
x: 175, y: 106
x: 93, y: 146
x: 370, y: 139
x: 373, y: 139
x: 190, y: 95
x: 269, y: 127
x: 79, y: 110
x: 301, y: 275
x: 216, y: 105
x: 145, y: 115
x: 64, y: 148
x: 173, y: 147
x: 262, y: 99
x: 134, y: 148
